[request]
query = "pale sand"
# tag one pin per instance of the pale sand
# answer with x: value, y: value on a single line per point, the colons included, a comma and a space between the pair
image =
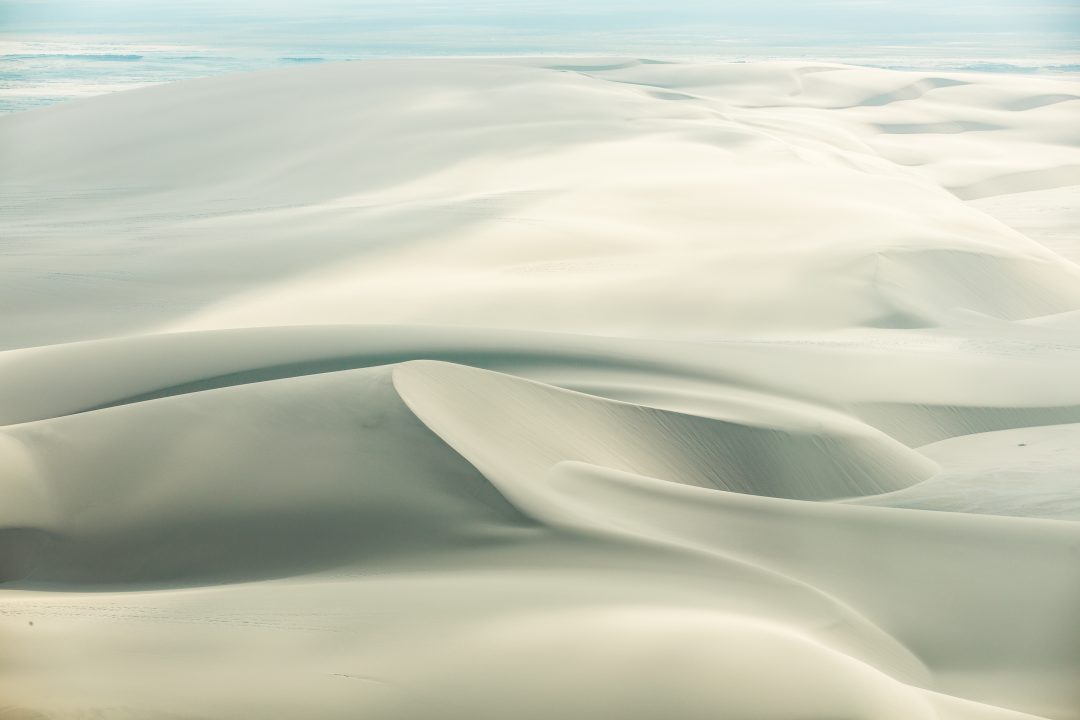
x: 543, y: 389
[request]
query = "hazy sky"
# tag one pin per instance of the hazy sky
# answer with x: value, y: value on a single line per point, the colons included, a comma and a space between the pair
x: 1003, y: 27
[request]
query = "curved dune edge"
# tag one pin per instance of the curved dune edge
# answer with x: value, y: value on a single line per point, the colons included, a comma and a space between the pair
x: 936, y: 562
x: 510, y: 428
x: 917, y: 388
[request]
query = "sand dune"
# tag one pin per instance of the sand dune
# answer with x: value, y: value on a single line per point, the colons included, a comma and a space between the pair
x: 543, y: 388
x: 579, y: 196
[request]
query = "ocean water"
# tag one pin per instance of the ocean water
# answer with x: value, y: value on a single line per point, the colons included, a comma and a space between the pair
x: 36, y: 73
x: 57, y: 50
x: 42, y: 72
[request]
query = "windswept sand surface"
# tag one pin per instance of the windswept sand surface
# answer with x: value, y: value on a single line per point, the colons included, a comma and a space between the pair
x: 543, y: 389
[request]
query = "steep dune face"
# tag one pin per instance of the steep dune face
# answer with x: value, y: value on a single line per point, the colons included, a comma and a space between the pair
x: 543, y: 388
x: 509, y: 427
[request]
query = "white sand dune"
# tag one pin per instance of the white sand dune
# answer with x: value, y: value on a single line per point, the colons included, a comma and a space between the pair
x: 412, y: 192
x: 543, y: 388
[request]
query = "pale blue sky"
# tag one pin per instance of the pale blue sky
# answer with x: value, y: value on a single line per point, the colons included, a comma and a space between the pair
x: 462, y: 26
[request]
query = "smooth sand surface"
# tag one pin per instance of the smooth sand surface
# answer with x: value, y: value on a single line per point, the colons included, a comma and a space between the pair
x: 543, y: 389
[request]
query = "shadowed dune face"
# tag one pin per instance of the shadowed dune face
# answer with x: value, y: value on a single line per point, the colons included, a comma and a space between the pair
x: 343, y: 463
x: 542, y: 388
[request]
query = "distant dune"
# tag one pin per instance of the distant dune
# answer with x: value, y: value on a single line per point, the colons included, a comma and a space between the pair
x: 543, y: 389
